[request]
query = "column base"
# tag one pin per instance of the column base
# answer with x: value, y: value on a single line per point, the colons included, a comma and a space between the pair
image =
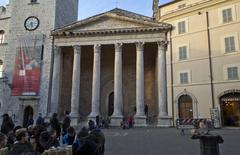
x: 74, y: 120
x: 116, y: 120
x: 164, y: 121
x: 140, y: 121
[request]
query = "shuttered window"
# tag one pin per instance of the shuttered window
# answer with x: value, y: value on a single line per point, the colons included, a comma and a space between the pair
x: 183, y: 53
x: 232, y: 73
x: 181, y: 27
x: 227, y: 15
x: 229, y: 44
x: 184, y: 78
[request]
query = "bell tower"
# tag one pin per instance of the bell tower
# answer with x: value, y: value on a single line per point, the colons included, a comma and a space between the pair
x: 155, y: 10
x: 30, y: 26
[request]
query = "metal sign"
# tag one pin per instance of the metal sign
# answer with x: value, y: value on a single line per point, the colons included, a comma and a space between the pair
x: 214, y: 112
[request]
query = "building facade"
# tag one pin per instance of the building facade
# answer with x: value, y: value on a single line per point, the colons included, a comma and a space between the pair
x: 26, y: 53
x: 203, y: 59
x: 115, y: 67
x: 182, y: 63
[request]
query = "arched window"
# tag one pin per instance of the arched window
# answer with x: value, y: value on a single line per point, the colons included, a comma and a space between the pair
x: 1, y: 68
x: 2, y: 36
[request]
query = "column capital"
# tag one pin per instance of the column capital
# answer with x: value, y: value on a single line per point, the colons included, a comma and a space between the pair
x: 118, y: 47
x: 97, y: 48
x: 57, y: 50
x: 77, y: 49
x: 162, y: 44
x: 140, y: 46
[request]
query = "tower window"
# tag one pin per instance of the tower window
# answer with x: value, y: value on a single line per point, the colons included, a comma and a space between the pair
x: 33, y: 1
x: 2, y: 36
x: 1, y: 68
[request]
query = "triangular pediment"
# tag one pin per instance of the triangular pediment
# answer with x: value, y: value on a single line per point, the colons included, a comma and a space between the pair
x: 114, y: 19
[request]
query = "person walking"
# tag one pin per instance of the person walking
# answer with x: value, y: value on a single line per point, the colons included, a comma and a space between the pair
x: 40, y: 119
x: 55, y: 125
x: 66, y: 123
x: 7, y: 124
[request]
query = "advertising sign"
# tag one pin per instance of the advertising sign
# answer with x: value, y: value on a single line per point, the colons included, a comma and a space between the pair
x: 27, y: 70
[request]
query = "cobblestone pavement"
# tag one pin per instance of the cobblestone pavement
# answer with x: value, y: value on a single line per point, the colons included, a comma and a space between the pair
x: 164, y: 141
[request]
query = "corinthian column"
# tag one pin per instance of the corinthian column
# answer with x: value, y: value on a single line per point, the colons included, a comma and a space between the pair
x: 76, y: 84
x: 55, y: 80
x: 118, y: 96
x: 96, y: 81
x: 140, y: 118
x: 163, y: 118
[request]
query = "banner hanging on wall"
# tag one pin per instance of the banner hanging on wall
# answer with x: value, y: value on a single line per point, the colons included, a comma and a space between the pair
x: 27, y: 70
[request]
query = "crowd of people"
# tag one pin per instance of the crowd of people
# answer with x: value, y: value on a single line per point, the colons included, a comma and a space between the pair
x: 35, y: 139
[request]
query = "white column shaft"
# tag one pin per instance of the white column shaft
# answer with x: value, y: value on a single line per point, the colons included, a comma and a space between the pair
x: 76, y: 81
x: 56, y: 80
x: 118, y: 96
x: 140, y: 80
x: 96, y: 81
x: 162, y: 79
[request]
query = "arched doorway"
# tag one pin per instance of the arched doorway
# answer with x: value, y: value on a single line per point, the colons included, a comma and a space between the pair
x: 230, y: 109
x: 185, y: 107
x: 28, y: 111
x: 110, y: 104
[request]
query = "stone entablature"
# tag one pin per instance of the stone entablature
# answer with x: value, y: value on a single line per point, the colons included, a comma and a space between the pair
x: 110, y: 31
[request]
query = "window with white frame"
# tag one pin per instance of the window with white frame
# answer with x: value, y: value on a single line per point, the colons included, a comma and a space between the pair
x: 1, y: 68
x: 181, y: 27
x: 2, y: 36
x: 182, y: 53
x: 229, y: 44
x: 227, y: 15
x: 184, y: 78
x: 232, y: 73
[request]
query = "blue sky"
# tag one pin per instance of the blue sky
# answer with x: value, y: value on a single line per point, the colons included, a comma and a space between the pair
x: 93, y: 7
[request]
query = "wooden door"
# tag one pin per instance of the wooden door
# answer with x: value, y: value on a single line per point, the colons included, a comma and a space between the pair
x: 185, y: 107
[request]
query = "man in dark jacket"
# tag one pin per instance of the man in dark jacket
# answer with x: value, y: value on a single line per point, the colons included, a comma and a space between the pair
x: 40, y: 120
x: 55, y: 125
x: 22, y: 145
x: 66, y: 123
x: 7, y: 124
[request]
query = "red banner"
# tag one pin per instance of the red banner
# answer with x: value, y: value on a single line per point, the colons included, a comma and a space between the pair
x: 27, y: 70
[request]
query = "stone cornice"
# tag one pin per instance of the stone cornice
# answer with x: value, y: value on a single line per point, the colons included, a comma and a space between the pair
x: 163, y: 28
x: 118, y: 14
x: 191, y: 8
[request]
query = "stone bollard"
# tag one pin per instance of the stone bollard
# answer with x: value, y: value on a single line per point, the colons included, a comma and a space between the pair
x: 209, y: 144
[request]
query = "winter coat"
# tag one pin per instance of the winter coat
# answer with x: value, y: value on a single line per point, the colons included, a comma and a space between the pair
x: 67, y: 139
x: 21, y: 148
x: 66, y: 124
x: 7, y: 125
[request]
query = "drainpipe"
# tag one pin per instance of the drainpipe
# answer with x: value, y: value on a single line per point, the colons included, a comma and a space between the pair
x: 210, y: 60
x: 50, y: 78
